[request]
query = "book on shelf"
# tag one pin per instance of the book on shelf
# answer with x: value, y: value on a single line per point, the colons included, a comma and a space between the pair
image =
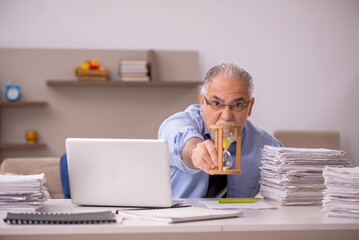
x: 135, y: 79
x: 125, y: 69
x: 133, y: 75
x: 134, y: 62
x: 177, y: 215
x: 134, y: 71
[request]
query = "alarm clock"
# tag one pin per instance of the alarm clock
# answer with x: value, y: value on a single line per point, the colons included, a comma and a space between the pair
x: 12, y: 92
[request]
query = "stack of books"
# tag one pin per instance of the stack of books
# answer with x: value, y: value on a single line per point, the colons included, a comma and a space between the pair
x: 22, y: 192
x: 294, y: 176
x: 134, y: 70
x: 341, y: 197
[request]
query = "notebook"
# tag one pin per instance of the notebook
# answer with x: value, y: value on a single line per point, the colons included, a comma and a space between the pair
x: 119, y: 172
x: 60, y: 218
x: 177, y: 215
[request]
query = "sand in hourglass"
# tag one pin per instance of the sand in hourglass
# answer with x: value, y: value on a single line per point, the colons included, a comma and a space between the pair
x: 226, y: 143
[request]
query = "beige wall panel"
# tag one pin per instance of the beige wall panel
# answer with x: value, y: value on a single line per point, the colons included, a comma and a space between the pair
x: 102, y: 111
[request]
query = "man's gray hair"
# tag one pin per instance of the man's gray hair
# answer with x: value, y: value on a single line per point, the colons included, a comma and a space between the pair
x: 228, y: 70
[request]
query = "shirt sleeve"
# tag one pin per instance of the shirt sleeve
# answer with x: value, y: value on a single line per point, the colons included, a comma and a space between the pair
x: 176, y: 130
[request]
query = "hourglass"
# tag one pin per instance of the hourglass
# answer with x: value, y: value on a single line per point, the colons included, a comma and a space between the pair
x: 224, y: 136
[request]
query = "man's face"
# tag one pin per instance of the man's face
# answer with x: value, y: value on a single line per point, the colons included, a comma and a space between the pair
x: 228, y: 92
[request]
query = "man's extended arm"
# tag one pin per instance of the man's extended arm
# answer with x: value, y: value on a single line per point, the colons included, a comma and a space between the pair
x: 197, y: 153
x: 184, y: 133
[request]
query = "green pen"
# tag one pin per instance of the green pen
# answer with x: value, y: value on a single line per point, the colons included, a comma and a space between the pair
x: 237, y: 201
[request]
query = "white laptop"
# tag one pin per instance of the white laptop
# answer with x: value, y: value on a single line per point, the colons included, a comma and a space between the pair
x: 119, y: 172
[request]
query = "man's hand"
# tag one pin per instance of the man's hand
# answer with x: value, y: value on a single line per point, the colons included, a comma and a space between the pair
x: 197, y: 153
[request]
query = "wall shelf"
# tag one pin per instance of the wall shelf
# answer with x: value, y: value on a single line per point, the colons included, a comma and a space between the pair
x: 23, y: 104
x: 153, y: 59
x: 68, y: 83
x: 16, y: 146
x: 21, y: 146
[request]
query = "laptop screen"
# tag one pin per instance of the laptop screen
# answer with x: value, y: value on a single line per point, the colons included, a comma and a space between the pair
x: 119, y: 172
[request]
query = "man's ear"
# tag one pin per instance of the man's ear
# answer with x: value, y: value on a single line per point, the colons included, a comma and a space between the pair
x: 250, y: 107
x: 201, y: 98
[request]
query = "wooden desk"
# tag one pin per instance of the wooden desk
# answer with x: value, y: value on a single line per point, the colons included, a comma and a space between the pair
x: 283, y: 223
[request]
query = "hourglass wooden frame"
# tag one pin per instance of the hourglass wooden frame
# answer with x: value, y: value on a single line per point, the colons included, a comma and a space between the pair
x: 218, y: 141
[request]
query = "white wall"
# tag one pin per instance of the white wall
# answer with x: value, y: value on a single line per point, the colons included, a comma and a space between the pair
x: 302, y: 54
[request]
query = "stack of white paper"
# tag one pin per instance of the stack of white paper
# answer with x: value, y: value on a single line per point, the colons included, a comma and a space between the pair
x: 22, y: 192
x: 341, y: 198
x: 293, y: 176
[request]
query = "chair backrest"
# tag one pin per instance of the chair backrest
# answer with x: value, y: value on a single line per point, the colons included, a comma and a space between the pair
x: 309, y: 139
x: 49, y: 166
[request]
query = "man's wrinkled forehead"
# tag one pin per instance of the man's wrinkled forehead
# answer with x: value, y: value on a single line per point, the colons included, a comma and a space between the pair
x: 239, y: 86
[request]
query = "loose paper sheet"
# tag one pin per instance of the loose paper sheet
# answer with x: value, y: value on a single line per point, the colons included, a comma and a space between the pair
x: 213, y: 204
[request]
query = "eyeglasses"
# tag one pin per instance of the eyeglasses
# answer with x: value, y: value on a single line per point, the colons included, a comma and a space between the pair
x: 237, y: 107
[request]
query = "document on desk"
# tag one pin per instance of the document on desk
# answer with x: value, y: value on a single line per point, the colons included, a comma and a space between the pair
x: 214, y: 204
x: 22, y: 193
x: 176, y: 215
x: 341, y: 196
x: 294, y: 176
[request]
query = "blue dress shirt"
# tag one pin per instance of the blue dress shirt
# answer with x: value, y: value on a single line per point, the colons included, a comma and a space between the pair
x: 193, y: 183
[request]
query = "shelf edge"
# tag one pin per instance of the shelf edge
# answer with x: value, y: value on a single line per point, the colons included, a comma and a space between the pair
x: 23, y: 104
x: 122, y: 83
x: 18, y: 146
